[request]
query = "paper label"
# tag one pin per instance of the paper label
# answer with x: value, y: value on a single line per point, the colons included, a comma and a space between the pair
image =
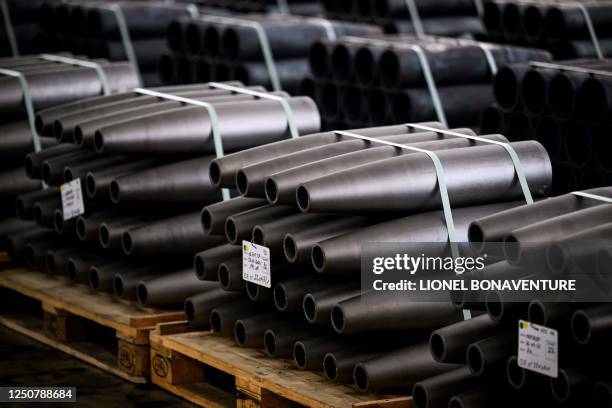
x: 256, y: 264
x: 538, y: 349
x: 72, y: 199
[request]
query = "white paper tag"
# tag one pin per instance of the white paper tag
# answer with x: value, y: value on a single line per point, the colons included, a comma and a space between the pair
x: 256, y: 264
x: 72, y: 199
x: 538, y: 349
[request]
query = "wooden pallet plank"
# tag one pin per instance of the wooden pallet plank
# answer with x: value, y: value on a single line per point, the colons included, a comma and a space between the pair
x: 261, y: 379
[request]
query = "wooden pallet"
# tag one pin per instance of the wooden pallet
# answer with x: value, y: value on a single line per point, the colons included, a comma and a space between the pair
x: 97, y: 328
x: 214, y: 372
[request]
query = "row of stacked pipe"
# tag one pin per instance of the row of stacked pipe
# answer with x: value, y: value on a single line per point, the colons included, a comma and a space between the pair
x: 360, y: 82
x: 91, y: 28
x: 204, y: 49
x: 50, y: 84
x: 297, y: 7
x: 569, y: 112
x: 23, y: 18
x: 142, y: 162
x: 314, y: 201
x: 560, y: 28
x: 446, y: 17
x: 567, y: 236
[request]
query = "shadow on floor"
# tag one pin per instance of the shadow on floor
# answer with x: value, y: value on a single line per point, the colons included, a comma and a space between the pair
x: 24, y: 362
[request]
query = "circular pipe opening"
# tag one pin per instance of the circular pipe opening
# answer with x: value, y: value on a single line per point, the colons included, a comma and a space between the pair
x: 364, y: 65
x: 115, y: 191
x: 475, y: 360
x: 437, y: 346
x: 560, y: 387
x: 492, y: 16
x: 280, y: 297
x: 303, y: 198
x: 455, y: 402
x: 252, y: 290
x: 310, y: 308
x: 67, y: 175
x: 174, y: 36
x: 602, y: 396
x: 271, y: 189
x: 81, y: 228
x: 50, y: 263
x: 189, y: 310
x: 534, y: 90
x: 537, y: 313
x: 104, y: 235
x: 341, y: 62
x: 512, y: 250
x: 377, y: 106
x: 511, y: 20
x: 258, y: 236
x: 505, y: 87
x: 58, y: 221
x: 78, y: 136
x: 318, y: 59
x: 329, y: 367
x: 214, y: 171
x: 389, y: 68
x: 211, y: 41
x: 127, y: 243
x: 562, y: 96
x: 39, y: 124
x: 90, y: 185
x: 476, y: 235
x: 242, y: 182
x: 555, y: 258
x: 94, y: 278
x: 360, y: 376
x: 142, y: 294
x: 494, y: 306
x: 533, y: 22
x: 554, y: 24
x: 515, y: 374
x: 224, y: 276
x: 270, y: 343
x: 71, y: 270
x: 215, y: 321
x: 299, y: 355
x: 118, y: 286
x: 290, y: 248
x: 549, y: 134
x: 99, y: 142
x: 419, y: 395
x: 192, y: 38
x: 46, y: 172
x: 231, y: 44
x: 20, y: 207
x: 58, y: 130
x: 231, y: 231
x: 198, y: 264
x: 581, y: 327
x: 206, y: 220
x: 318, y: 258
x: 240, y: 333
x: 337, y: 319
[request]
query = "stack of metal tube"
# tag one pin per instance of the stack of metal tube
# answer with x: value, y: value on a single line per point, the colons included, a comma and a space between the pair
x: 566, y: 109
x: 206, y: 49
x: 563, y: 29
x: 142, y: 165
x: 23, y: 29
x: 450, y: 18
x: 296, y: 7
x: 313, y: 202
x: 361, y: 82
x: 95, y: 29
x: 50, y: 83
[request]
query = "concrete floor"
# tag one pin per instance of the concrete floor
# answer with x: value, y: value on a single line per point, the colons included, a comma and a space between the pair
x: 24, y: 362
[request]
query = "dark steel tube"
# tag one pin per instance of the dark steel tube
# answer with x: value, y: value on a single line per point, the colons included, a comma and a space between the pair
x: 25, y: 203
x: 214, y: 215
x: 79, y: 265
x: 289, y: 294
x: 17, y: 242
x: 239, y: 226
x: 15, y: 182
x: 125, y: 283
x: 53, y: 169
x: 110, y: 232
x: 279, y: 340
x: 230, y: 275
x: 12, y: 226
x: 500, y: 309
x: 438, y: 390
x: 338, y: 366
x: 185, y: 181
x: 309, y: 354
x: 171, y: 290
x: 182, y: 234
x: 591, y: 324
x: 342, y: 254
x: 206, y: 263
x: 34, y: 161
x: 17, y: 140
x: 572, y: 383
x: 318, y: 305
x: 198, y: 307
x: 98, y: 183
x: 602, y: 394
x: 327, y: 195
x: 258, y: 293
x: 223, y: 317
x: 374, y: 311
x: 449, y: 344
x: 488, y: 356
x: 44, y: 212
x: 399, y: 370
x: 250, y: 331
x: 80, y: 170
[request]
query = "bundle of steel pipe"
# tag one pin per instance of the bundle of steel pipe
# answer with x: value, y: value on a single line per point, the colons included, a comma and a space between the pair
x: 441, y: 17
x: 204, y: 49
x: 567, y: 108
x: 94, y: 29
x: 366, y: 82
x: 561, y: 29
